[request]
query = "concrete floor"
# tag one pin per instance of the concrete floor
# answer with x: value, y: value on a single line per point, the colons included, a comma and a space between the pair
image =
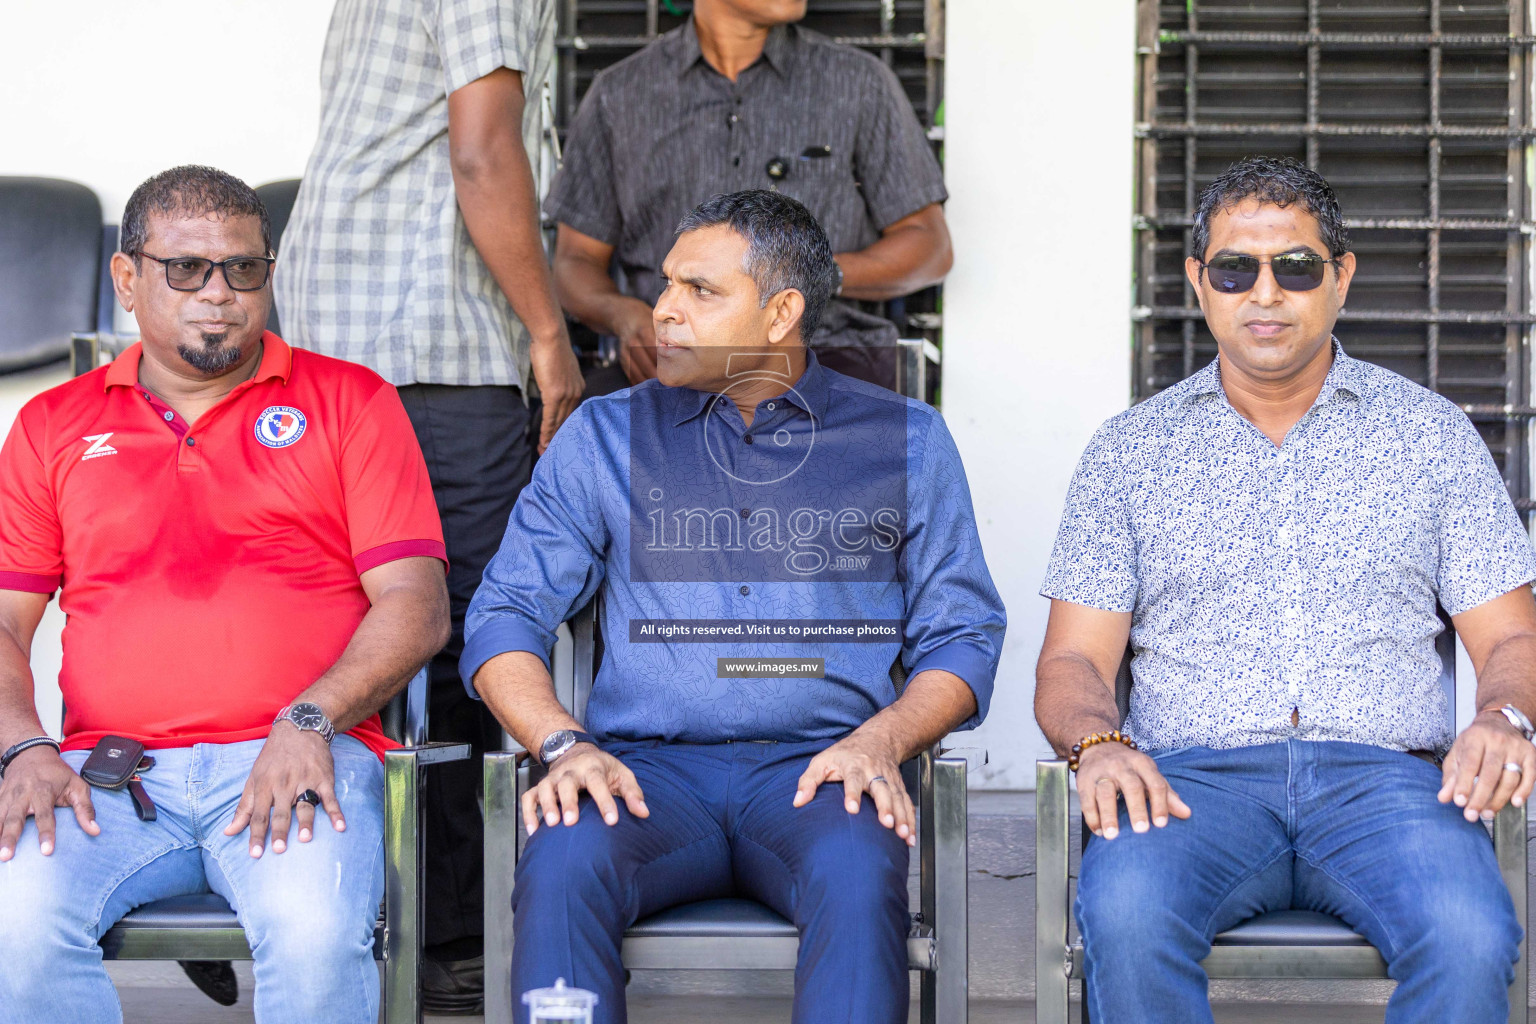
x: 159, y: 994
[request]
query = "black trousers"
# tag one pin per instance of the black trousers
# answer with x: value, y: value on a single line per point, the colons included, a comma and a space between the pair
x: 479, y: 443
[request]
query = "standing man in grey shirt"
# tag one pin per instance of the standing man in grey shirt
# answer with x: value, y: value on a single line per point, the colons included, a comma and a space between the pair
x: 741, y: 98
x: 414, y: 248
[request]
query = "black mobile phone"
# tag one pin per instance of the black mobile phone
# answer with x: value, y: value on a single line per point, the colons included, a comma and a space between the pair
x: 113, y: 762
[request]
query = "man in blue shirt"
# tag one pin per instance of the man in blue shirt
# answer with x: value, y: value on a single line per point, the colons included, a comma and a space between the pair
x: 747, y: 506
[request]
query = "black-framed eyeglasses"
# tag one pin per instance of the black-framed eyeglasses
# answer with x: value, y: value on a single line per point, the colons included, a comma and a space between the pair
x: 1234, y: 273
x: 192, y: 273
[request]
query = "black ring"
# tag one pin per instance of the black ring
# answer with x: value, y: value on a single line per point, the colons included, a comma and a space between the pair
x: 310, y: 797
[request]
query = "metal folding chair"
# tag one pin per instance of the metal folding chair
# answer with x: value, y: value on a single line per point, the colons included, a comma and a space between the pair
x: 737, y: 934
x: 203, y: 927
x: 1282, y: 944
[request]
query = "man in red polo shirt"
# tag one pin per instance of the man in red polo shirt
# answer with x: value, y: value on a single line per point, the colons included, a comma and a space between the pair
x: 246, y: 546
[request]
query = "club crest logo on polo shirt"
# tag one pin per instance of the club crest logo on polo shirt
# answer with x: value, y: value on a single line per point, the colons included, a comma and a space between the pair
x: 279, y: 426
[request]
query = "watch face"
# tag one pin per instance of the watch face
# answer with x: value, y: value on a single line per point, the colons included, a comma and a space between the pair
x: 307, y: 716
x: 555, y: 743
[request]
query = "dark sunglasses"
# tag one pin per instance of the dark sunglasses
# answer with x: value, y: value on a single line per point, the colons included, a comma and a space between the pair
x: 1294, y: 271
x: 192, y: 273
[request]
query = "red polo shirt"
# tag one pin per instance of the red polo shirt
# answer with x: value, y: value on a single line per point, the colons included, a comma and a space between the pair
x: 209, y: 570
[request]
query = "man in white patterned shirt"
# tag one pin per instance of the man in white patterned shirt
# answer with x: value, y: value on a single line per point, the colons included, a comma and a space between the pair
x: 1273, y: 536
x: 415, y: 248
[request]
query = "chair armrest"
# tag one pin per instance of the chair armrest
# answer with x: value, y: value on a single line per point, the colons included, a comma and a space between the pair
x: 975, y: 758
x: 1053, y: 789
x: 438, y: 753
x: 1509, y: 846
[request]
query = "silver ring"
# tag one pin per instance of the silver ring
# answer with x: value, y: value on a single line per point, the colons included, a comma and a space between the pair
x: 1514, y: 766
x: 878, y: 778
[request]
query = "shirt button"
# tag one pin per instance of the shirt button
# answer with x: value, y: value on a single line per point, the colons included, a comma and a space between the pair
x: 169, y: 416
x: 735, y: 118
x: 771, y: 407
x: 747, y: 439
x: 736, y: 161
x: 191, y: 442
x: 745, y: 590
x: 745, y: 513
x: 1292, y: 612
x: 1283, y: 534
x: 1283, y: 458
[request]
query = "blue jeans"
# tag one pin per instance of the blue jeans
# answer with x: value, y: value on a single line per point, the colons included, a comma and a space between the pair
x: 308, y: 912
x: 1345, y: 829
x: 721, y: 825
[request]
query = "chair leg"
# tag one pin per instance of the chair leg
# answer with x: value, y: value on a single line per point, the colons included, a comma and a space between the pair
x: 1052, y: 986
x: 402, y: 887
x: 501, y: 818
x: 1509, y: 845
x: 945, y: 991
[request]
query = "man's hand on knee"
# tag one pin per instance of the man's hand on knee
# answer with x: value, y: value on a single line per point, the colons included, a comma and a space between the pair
x: 37, y: 781
x: 292, y: 762
x: 583, y: 767
x: 863, y: 765
x: 1107, y: 771
x: 1490, y: 764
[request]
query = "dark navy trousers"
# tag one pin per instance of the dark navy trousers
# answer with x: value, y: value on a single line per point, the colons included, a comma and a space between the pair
x: 721, y: 824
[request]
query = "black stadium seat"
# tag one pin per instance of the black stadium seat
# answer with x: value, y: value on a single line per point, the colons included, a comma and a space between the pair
x: 278, y: 197
x: 51, y: 258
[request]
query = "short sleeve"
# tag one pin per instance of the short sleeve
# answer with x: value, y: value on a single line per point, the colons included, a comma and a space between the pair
x: 1094, y: 560
x: 475, y: 37
x: 584, y: 194
x: 31, y: 539
x: 897, y: 170
x: 390, y: 509
x: 1484, y: 550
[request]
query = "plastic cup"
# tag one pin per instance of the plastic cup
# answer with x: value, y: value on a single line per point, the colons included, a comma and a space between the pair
x: 566, y: 1005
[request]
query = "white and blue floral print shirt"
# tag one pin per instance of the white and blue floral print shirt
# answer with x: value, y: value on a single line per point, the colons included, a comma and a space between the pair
x: 1262, y: 579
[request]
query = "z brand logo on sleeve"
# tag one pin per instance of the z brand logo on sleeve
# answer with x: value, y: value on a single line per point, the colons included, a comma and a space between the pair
x: 99, y: 446
x: 279, y: 426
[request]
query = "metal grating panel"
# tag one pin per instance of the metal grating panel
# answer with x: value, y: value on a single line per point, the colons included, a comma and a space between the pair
x: 907, y: 34
x: 1419, y: 114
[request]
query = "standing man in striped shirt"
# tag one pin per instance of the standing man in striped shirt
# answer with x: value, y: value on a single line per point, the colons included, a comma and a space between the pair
x: 414, y: 248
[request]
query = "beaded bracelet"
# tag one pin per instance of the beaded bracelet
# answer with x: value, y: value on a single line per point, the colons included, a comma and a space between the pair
x: 1113, y: 736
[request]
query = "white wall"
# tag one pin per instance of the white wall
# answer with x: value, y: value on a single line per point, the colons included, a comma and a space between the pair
x: 87, y: 92
x: 1039, y: 100
x: 1038, y: 156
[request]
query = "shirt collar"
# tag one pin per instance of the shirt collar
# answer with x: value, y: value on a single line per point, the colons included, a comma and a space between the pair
x: 775, y: 50
x: 1346, y: 374
x: 810, y: 393
x: 276, y: 361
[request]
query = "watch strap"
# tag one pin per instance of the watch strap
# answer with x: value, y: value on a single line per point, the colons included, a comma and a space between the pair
x: 20, y: 748
x: 1517, y: 718
x: 327, y: 730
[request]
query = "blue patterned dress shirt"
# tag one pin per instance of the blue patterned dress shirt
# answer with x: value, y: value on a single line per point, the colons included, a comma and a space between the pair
x: 1264, y: 579
x: 837, y: 527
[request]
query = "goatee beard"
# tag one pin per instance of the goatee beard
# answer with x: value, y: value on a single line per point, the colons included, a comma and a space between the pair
x: 214, y: 358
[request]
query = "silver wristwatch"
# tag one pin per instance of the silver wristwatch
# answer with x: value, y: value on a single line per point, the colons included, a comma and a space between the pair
x: 560, y: 741
x: 308, y: 717
x: 1518, y: 720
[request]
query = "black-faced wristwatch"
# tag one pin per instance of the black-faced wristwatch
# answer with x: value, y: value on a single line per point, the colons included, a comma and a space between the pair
x: 559, y: 741
x: 1517, y: 719
x: 308, y: 717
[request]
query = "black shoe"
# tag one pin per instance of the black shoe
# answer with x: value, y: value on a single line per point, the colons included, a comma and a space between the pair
x: 453, y: 987
x: 214, y: 979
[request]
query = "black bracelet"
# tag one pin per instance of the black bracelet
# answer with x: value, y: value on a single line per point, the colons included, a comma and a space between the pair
x: 25, y: 745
